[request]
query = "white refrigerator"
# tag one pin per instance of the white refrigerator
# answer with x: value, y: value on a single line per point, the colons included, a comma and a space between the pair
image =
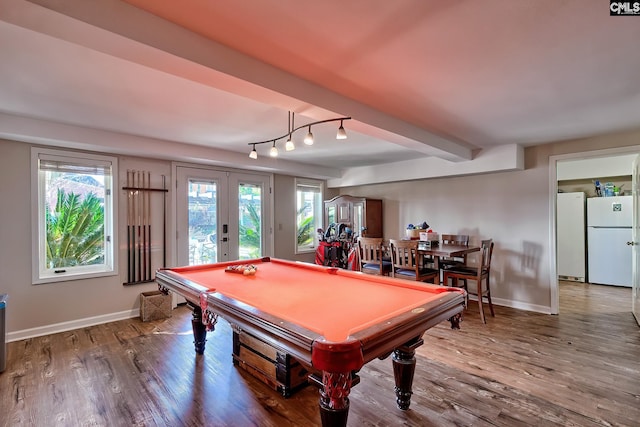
x: 571, y: 235
x: 609, y: 221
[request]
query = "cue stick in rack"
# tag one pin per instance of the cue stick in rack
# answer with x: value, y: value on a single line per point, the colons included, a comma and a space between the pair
x: 148, y: 196
x: 133, y: 227
x: 139, y: 241
x: 164, y: 222
x: 128, y: 227
x: 143, y: 273
x: 138, y: 222
x: 136, y: 235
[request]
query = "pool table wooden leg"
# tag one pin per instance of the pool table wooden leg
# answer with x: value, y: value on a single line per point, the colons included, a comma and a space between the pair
x: 199, y: 329
x: 334, y: 398
x: 404, y: 366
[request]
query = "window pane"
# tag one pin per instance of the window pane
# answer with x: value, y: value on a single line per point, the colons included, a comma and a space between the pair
x: 250, y: 218
x: 203, y: 220
x: 74, y: 219
x: 308, y: 215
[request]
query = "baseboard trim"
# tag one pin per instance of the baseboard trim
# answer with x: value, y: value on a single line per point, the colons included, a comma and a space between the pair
x: 517, y: 305
x: 71, y: 325
x: 106, y: 318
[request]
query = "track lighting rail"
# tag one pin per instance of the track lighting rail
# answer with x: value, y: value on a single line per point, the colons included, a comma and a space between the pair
x: 308, y: 139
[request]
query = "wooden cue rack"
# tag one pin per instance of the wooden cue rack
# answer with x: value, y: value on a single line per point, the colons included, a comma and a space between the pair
x: 139, y: 192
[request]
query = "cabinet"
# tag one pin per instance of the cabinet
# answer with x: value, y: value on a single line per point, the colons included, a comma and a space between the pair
x: 362, y: 215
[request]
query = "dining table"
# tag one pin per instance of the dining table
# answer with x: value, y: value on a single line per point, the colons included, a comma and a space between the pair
x: 446, y: 251
x: 436, y: 251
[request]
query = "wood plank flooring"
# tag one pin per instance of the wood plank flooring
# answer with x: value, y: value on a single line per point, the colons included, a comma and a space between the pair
x: 580, y: 368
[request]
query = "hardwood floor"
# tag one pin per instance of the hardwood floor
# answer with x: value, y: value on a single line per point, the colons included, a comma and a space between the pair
x: 580, y: 368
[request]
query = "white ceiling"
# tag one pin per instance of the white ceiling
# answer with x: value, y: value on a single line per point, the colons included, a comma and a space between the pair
x: 421, y: 78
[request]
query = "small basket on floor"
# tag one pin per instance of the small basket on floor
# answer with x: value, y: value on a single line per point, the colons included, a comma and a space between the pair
x: 154, y: 306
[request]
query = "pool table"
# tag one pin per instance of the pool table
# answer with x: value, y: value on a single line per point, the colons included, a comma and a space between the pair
x: 331, y: 320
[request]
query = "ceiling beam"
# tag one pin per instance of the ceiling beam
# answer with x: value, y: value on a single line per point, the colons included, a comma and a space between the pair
x: 119, y: 29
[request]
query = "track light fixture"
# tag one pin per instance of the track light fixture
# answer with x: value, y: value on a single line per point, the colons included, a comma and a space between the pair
x: 342, y: 134
x: 289, y: 146
x: 253, y: 154
x: 308, y: 139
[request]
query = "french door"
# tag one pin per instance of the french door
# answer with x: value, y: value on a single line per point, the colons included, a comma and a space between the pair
x: 221, y: 215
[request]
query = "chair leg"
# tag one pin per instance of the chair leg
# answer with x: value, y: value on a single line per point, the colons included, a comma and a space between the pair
x: 489, y: 298
x: 480, y: 302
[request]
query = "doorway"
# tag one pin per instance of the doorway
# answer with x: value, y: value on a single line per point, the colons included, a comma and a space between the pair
x: 221, y: 215
x: 554, y: 161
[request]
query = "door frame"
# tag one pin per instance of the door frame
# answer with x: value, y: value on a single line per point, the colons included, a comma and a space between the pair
x: 635, y: 283
x: 173, y: 210
x: 553, y: 190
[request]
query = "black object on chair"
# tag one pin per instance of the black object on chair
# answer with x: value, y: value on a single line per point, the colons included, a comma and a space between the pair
x: 478, y: 273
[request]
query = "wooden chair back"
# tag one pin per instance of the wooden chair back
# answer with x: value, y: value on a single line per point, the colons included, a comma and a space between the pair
x: 371, y: 256
x: 479, y: 273
x: 486, y: 251
x: 407, y: 264
x: 454, y: 240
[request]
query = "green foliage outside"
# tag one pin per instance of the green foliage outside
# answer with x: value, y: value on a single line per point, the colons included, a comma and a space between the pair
x: 75, y: 231
x: 305, y: 228
x: 249, y: 227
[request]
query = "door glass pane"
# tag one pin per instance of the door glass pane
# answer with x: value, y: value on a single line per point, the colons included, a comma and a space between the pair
x: 203, y: 222
x: 249, y: 220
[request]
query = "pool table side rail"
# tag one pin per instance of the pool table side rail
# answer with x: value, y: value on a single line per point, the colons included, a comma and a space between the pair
x: 375, y: 341
x: 282, y: 334
x: 379, y: 340
x: 293, y: 338
x: 187, y: 289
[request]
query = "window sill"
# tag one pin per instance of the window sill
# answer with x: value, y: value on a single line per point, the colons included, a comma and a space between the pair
x: 72, y: 276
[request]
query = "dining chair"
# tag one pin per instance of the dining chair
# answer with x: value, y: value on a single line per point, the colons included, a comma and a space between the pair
x: 407, y: 263
x: 478, y: 274
x: 371, y: 257
x: 454, y: 240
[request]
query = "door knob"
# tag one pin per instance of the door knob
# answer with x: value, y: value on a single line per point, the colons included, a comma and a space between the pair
x: 631, y: 243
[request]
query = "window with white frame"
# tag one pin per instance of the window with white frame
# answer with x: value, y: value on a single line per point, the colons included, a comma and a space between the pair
x: 308, y: 214
x: 73, y: 215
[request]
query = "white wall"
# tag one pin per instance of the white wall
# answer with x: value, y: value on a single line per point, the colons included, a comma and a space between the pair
x: 589, y: 168
x: 510, y: 207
